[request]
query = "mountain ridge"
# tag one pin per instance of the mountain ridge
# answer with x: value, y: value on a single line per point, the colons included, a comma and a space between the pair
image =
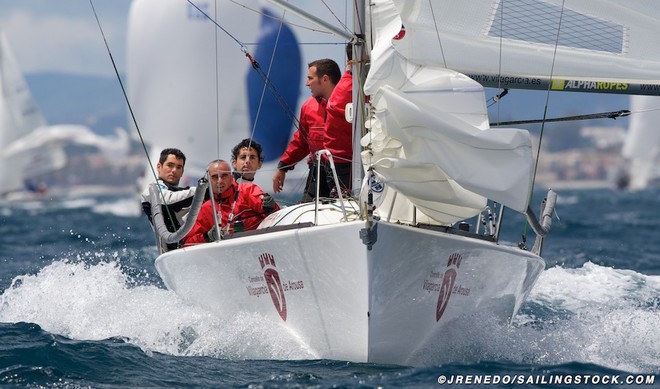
x: 94, y: 101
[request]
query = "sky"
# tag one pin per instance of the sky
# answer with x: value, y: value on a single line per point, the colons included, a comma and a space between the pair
x: 63, y: 36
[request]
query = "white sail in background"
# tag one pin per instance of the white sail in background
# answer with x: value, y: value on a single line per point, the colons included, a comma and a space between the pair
x: 29, y: 147
x: 75, y: 134
x: 19, y: 115
x: 174, y: 70
x: 642, y: 145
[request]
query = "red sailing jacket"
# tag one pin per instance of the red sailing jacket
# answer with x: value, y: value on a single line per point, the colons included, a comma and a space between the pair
x: 339, y: 132
x: 248, y: 208
x: 308, y: 139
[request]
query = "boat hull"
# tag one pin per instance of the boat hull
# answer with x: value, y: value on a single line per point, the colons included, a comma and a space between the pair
x: 337, y: 299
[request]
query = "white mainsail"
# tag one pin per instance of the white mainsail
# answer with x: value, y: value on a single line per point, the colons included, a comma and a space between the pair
x: 429, y: 139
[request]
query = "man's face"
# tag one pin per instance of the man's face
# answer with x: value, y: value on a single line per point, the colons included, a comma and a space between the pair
x: 171, y: 170
x: 315, y: 83
x: 247, y: 163
x: 221, y: 178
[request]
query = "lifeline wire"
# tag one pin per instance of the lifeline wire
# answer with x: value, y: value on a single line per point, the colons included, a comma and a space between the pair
x: 545, y: 114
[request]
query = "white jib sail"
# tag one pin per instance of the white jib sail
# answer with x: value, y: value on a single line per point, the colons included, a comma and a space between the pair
x: 429, y: 138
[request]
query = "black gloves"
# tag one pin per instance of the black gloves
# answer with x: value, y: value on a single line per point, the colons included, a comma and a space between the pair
x: 211, y: 235
x: 268, y: 203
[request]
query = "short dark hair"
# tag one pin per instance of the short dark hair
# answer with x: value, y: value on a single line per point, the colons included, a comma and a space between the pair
x: 176, y: 152
x: 248, y: 144
x: 328, y: 67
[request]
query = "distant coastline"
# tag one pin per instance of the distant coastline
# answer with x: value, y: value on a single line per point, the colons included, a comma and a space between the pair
x: 577, y: 185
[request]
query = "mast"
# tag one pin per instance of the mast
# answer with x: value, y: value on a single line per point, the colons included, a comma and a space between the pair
x: 359, y: 69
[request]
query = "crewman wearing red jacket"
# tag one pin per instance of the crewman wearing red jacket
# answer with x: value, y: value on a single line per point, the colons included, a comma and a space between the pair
x: 339, y: 134
x: 322, y: 76
x: 245, y: 206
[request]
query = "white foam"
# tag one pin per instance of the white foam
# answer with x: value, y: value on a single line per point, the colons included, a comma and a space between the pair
x: 593, y: 314
x: 602, y: 315
x: 95, y: 302
x: 593, y: 286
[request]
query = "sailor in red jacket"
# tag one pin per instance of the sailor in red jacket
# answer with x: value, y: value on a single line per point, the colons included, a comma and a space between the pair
x: 245, y: 205
x: 322, y: 76
x: 339, y: 133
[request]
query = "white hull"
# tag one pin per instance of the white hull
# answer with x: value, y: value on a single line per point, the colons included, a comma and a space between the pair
x: 339, y: 300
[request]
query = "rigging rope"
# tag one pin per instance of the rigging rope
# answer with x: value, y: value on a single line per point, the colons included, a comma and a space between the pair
x: 255, y: 66
x: 545, y: 114
x: 267, y: 85
x: 437, y: 33
x: 602, y: 115
x: 121, y: 84
x: 130, y: 109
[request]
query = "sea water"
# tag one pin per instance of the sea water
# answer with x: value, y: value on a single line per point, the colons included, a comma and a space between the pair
x: 81, y: 305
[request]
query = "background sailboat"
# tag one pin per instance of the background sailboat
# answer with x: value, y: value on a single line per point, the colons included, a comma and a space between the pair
x: 642, y: 144
x: 34, y: 149
x: 19, y: 115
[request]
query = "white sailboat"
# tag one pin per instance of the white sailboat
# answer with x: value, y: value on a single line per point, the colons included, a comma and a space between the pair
x: 19, y: 115
x: 31, y: 148
x: 641, y: 148
x: 403, y: 272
